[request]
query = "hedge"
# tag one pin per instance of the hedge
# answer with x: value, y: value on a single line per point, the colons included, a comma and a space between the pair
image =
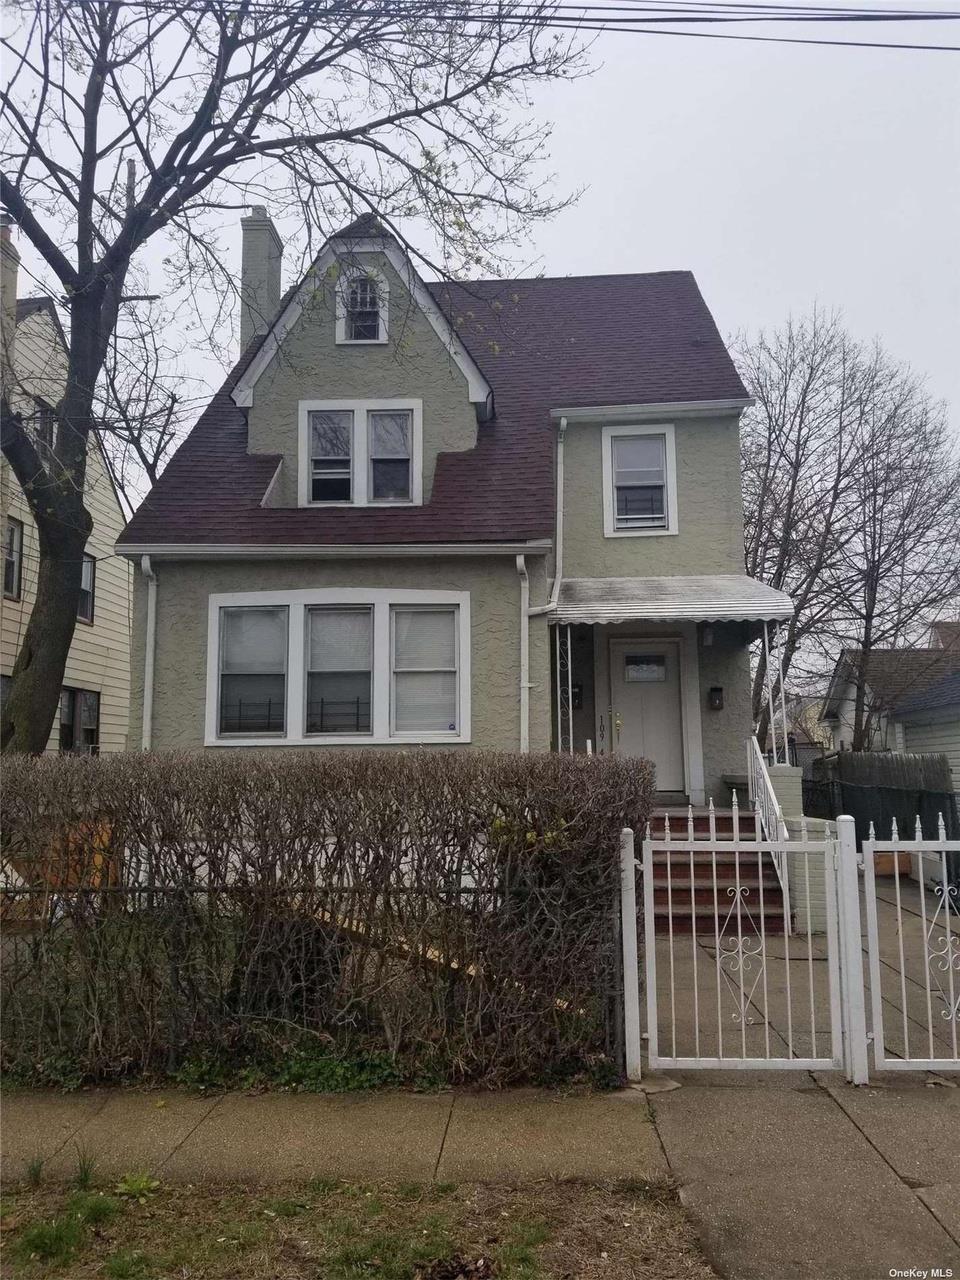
x: 313, y: 916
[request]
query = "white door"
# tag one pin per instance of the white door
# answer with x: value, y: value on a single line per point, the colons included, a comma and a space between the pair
x: 645, y: 696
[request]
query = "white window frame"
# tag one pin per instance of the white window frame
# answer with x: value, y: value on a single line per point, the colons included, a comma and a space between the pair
x: 614, y: 431
x: 343, y: 296
x: 360, y: 451
x: 381, y: 601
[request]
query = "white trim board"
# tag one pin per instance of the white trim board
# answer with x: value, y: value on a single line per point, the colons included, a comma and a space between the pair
x: 326, y: 550
x: 479, y: 389
x: 380, y: 600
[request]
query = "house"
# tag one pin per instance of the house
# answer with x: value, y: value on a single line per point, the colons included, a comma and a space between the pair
x: 912, y: 701
x: 945, y: 635
x: 496, y: 514
x: 95, y: 700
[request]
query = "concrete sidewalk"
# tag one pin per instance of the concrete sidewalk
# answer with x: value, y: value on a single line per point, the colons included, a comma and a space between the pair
x: 789, y: 1176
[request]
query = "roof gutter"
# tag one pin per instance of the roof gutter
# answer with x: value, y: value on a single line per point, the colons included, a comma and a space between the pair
x: 326, y: 551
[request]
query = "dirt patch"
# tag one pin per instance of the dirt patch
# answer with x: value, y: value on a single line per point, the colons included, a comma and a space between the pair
x: 343, y: 1231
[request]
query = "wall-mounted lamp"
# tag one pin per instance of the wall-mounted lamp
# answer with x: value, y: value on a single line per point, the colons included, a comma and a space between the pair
x: 716, y: 697
x: 706, y: 636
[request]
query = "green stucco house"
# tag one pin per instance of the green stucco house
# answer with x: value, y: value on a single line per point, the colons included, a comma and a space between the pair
x: 492, y: 514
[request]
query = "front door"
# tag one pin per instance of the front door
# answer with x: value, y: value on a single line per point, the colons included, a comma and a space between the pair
x: 645, y: 697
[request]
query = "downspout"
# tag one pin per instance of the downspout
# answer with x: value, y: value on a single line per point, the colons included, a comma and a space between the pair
x: 524, y: 654
x: 558, y: 540
x: 150, y: 647
x: 526, y: 612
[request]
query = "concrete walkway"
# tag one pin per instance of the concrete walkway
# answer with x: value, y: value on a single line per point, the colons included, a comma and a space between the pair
x: 787, y: 1175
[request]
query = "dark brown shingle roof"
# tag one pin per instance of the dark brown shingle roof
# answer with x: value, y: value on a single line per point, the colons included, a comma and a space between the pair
x: 542, y: 344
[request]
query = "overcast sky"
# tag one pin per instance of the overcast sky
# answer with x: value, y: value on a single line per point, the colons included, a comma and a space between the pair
x: 781, y: 175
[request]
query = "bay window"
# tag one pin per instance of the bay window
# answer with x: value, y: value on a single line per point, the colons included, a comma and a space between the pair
x: 339, y: 665
x: 424, y: 676
x: 339, y: 670
x: 362, y: 452
x: 252, y: 675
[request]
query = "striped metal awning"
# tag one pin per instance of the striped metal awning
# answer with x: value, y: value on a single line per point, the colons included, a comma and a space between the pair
x: 716, y: 598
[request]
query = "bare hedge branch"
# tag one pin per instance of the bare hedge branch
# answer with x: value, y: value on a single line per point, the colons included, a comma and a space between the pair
x: 450, y: 912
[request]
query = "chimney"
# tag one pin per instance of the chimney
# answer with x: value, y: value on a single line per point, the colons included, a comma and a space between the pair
x: 259, y: 274
x: 9, y: 269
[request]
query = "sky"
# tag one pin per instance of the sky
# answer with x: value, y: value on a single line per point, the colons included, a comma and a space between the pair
x: 781, y: 175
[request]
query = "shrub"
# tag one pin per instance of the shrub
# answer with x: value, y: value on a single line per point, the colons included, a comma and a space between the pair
x: 440, y: 916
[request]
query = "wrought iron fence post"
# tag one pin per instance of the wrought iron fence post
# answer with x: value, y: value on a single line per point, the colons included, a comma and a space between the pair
x: 631, y: 971
x: 851, y: 954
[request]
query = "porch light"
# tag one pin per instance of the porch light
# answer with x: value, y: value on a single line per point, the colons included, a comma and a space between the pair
x: 716, y: 697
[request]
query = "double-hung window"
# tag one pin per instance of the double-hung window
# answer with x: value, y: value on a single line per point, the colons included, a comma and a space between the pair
x: 252, y: 671
x: 88, y: 586
x: 79, y: 721
x: 639, y: 471
x: 13, y: 558
x: 424, y: 677
x: 331, y: 451
x: 339, y: 669
x: 339, y: 665
x: 362, y: 307
x: 361, y: 452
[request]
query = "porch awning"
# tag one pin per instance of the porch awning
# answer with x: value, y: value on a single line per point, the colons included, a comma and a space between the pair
x: 717, y: 598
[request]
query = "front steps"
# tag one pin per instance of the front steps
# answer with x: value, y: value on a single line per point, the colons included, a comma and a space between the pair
x: 701, y: 889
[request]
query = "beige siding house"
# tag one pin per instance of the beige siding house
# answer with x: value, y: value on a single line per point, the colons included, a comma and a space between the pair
x: 492, y: 515
x: 95, y: 702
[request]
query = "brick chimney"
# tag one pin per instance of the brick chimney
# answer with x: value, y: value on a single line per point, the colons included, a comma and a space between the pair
x: 9, y: 270
x: 259, y: 274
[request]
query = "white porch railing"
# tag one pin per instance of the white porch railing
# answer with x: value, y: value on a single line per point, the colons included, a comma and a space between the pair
x: 767, y: 807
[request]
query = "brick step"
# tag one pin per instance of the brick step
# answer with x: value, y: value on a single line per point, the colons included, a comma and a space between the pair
x: 706, y: 926
x: 703, y: 896
x: 683, y: 884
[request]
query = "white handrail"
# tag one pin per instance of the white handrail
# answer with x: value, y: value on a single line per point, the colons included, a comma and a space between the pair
x: 767, y: 806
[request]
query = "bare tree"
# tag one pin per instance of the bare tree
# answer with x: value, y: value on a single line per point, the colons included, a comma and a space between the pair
x: 150, y: 120
x: 851, y: 492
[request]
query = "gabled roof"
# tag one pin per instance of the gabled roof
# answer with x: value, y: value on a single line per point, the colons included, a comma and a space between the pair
x: 892, y: 675
x: 946, y: 634
x: 540, y: 344
x: 27, y: 307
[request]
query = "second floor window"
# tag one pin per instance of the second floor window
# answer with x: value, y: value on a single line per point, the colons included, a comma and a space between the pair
x: 88, y: 586
x: 360, y: 452
x: 640, y: 480
x: 13, y: 558
x: 331, y: 449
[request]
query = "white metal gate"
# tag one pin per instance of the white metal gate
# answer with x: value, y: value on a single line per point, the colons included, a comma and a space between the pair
x: 738, y: 975
x: 913, y: 941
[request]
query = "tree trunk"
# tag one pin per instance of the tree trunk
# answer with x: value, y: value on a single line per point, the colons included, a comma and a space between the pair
x: 38, y: 671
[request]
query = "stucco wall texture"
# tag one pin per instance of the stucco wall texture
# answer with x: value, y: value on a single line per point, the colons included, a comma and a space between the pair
x: 183, y: 589
x: 414, y: 364
x: 709, y: 507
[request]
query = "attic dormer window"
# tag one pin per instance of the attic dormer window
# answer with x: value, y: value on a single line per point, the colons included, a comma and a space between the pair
x: 362, y: 309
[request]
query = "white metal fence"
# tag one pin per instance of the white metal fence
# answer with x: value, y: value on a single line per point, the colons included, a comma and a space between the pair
x: 913, y: 942
x: 734, y: 979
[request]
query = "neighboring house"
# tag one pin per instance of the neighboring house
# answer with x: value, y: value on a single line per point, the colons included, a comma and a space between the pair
x: 360, y: 540
x: 95, y: 700
x: 911, y: 700
x: 945, y: 635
